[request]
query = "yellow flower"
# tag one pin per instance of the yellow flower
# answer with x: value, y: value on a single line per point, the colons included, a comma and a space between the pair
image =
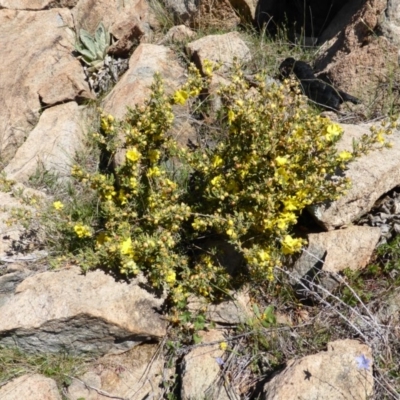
x: 286, y: 219
x: 380, y: 138
x: 230, y: 232
x: 217, y: 161
x: 132, y: 267
x: 121, y: 197
x: 101, y: 239
x: 345, y: 156
x: 82, y: 231
x: 133, y: 183
x: 216, y: 180
x: 168, y: 182
x: 223, y: 346
x: 232, y: 186
x: 231, y: 116
x: 154, y: 156
x: 292, y: 204
x: 281, y: 175
x: 263, y: 255
x: 207, y: 67
x: 290, y: 245
x: 58, y: 205
x: 333, y: 131
x: 170, y: 277
x: 126, y: 247
x: 181, y: 96
x: 298, y: 133
x: 133, y: 154
x: 109, y: 195
x: 281, y: 161
x: 155, y: 171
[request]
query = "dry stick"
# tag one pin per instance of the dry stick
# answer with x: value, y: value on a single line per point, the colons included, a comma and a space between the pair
x: 99, y: 391
x: 349, y: 287
x: 232, y: 338
x: 389, y: 388
x: 147, y: 369
x: 227, y: 383
x: 326, y: 303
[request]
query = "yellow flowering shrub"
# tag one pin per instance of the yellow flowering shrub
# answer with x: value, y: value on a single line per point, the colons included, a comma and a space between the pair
x: 272, y: 157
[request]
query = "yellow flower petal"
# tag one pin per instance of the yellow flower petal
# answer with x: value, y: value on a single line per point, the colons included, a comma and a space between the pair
x: 281, y: 161
x: 181, y: 96
x: 133, y: 154
x: 58, y: 205
x: 345, y: 156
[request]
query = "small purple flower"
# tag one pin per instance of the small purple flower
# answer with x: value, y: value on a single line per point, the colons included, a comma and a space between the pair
x: 219, y: 361
x: 363, y: 362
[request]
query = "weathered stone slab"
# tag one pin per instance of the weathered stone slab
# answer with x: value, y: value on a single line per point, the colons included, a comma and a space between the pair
x: 343, y: 372
x: 356, y: 61
x: 52, y: 144
x: 178, y: 33
x: 32, y: 387
x: 232, y: 312
x: 65, y: 310
x: 344, y: 248
x: 205, y: 13
x: 332, y: 252
x: 134, y: 86
x: 201, y: 370
x: 35, y: 5
x: 116, y: 16
x: 39, y: 70
x: 134, y: 375
x: 219, y: 49
x: 371, y: 175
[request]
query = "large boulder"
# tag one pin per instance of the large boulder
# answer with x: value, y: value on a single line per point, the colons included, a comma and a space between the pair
x: 134, y: 87
x: 204, y: 13
x: 52, y: 144
x: 201, y: 370
x: 329, y: 253
x: 355, y: 58
x: 343, y: 372
x: 222, y: 49
x: 32, y: 387
x: 371, y: 176
x: 39, y: 71
x: 136, y: 374
x: 89, y: 13
x: 36, y: 4
x: 67, y: 311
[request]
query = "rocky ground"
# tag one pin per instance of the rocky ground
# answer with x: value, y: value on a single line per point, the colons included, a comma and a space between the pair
x: 329, y: 330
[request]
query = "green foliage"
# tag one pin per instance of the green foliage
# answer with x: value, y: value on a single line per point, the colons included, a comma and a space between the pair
x: 356, y: 281
x: 93, y: 49
x: 5, y: 184
x: 267, y: 318
x: 60, y: 367
x: 389, y: 255
x: 272, y: 157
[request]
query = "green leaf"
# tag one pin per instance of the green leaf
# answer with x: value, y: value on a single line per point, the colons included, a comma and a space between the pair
x: 256, y: 311
x: 200, y: 322
x: 88, y: 41
x: 269, y: 316
x: 102, y: 38
x: 87, y: 56
x: 196, y: 338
